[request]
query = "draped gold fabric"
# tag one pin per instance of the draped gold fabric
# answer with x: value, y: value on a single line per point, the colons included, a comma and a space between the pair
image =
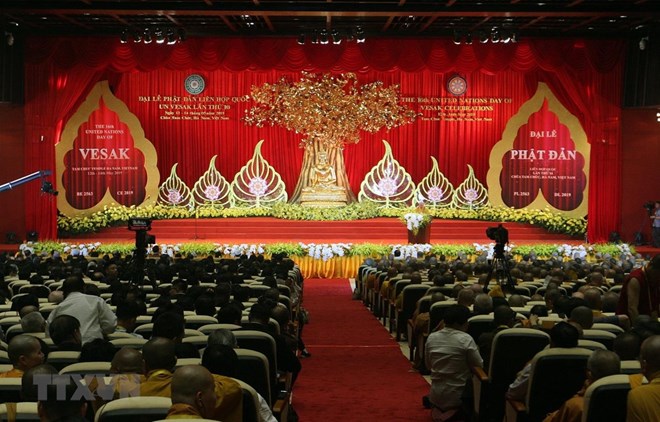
x: 338, y: 267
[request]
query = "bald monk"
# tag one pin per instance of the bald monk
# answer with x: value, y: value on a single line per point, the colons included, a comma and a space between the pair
x: 644, y: 401
x: 127, y: 361
x: 193, y: 393
x: 24, y: 353
x: 160, y: 360
x: 29, y: 388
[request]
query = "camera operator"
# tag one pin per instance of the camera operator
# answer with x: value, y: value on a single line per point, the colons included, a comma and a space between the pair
x: 655, y: 216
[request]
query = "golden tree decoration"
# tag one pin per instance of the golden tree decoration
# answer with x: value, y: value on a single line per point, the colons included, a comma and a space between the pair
x: 330, y: 111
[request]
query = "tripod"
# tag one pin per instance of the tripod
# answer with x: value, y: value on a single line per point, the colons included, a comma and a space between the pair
x: 500, y: 269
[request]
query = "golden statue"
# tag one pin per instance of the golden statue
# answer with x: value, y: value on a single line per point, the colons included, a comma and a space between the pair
x: 322, y: 189
x: 322, y: 175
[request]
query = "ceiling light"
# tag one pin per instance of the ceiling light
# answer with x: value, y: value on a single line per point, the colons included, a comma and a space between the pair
x: 160, y: 35
x: 10, y: 38
x: 457, y: 37
x: 643, y: 43
x: 323, y: 37
x: 123, y: 38
x: 301, y: 39
x: 147, y: 36
x: 359, y: 35
x: 171, y: 37
x: 336, y: 38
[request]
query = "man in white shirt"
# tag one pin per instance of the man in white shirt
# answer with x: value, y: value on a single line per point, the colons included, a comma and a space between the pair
x: 95, y: 316
x: 450, y: 354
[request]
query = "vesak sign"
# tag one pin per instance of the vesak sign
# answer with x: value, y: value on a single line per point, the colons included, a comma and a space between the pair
x: 542, y: 160
x: 103, y: 157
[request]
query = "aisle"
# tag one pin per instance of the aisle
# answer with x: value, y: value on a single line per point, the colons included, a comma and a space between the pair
x: 357, y: 371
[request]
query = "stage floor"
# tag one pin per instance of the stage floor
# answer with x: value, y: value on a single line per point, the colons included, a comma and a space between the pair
x: 273, y: 230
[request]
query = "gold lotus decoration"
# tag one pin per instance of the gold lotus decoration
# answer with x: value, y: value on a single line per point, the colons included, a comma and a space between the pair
x: 173, y: 191
x: 329, y: 111
x: 387, y: 183
x: 257, y: 184
x: 435, y: 189
x: 470, y: 194
x: 212, y: 189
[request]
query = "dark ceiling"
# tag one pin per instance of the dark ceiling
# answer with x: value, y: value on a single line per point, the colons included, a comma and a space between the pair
x: 393, y: 18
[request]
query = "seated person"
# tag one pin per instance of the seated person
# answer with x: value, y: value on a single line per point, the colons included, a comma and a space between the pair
x: 159, y: 361
x: 62, y: 403
x: 97, y: 350
x: 221, y: 359
x: 601, y: 363
x: 503, y: 318
x: 450, y: 354
x: 193, y: 393
x: 127, y: 313
x: 644, y: 401
x: 172, y: 326
x: 34, y: 323
x: 286, y: 359
x: 24, y: 353
x: 65, y: 333
x: 563, y: 335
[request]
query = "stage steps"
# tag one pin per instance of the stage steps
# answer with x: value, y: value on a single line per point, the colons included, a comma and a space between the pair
x: 271, y: 230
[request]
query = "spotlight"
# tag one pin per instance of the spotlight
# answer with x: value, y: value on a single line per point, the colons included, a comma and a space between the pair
x: 359, y: 35
x: 10, y: 38
x: 171, y: 37
x: 457, y: 38
x: 147, y: 36
x: 506, y: 36
x: 182, y: 35
x: 301, y: 39
x: 137, y: 37
x: 657, y: 115
x: 643, y: 43
x: 514, y: 37
x: 160, y: 35
x: 468, y: 38
x: 483, y: 37
x: 323, y: 37
x: 123, y: 38
x: 495, y: 35
x: 336, y: 38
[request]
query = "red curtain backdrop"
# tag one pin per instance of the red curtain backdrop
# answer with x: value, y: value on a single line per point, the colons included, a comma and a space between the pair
x: 586, y: 76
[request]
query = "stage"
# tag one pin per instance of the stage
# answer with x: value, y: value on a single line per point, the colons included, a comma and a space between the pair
x: 272, y: 230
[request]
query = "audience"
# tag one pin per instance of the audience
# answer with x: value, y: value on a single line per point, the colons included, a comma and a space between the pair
x: 644, y: 401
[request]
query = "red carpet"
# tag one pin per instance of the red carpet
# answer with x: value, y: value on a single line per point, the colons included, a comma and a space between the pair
x: 357, y: 371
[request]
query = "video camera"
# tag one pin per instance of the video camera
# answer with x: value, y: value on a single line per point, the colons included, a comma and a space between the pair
x: 649, y: 207
x: 499, y: 234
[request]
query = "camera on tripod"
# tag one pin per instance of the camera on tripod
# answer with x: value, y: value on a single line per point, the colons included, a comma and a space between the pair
x: 649, y: 207
x: 499, y: 234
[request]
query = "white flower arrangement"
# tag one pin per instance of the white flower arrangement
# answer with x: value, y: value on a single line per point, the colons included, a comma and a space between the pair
x: 412, y: 251
x: 415, y: 221
x: 326, y: 251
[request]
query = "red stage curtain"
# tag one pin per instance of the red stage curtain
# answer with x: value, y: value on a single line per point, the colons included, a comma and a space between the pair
x: 585, y: 75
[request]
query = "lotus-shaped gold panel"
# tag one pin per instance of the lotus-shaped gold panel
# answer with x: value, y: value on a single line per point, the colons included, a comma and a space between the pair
x: 212, y: 189
x: 387, y: 183
x: 257, y: 184
x: 174, y: 192
x: 470, y: 194
x: 435, y: 190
